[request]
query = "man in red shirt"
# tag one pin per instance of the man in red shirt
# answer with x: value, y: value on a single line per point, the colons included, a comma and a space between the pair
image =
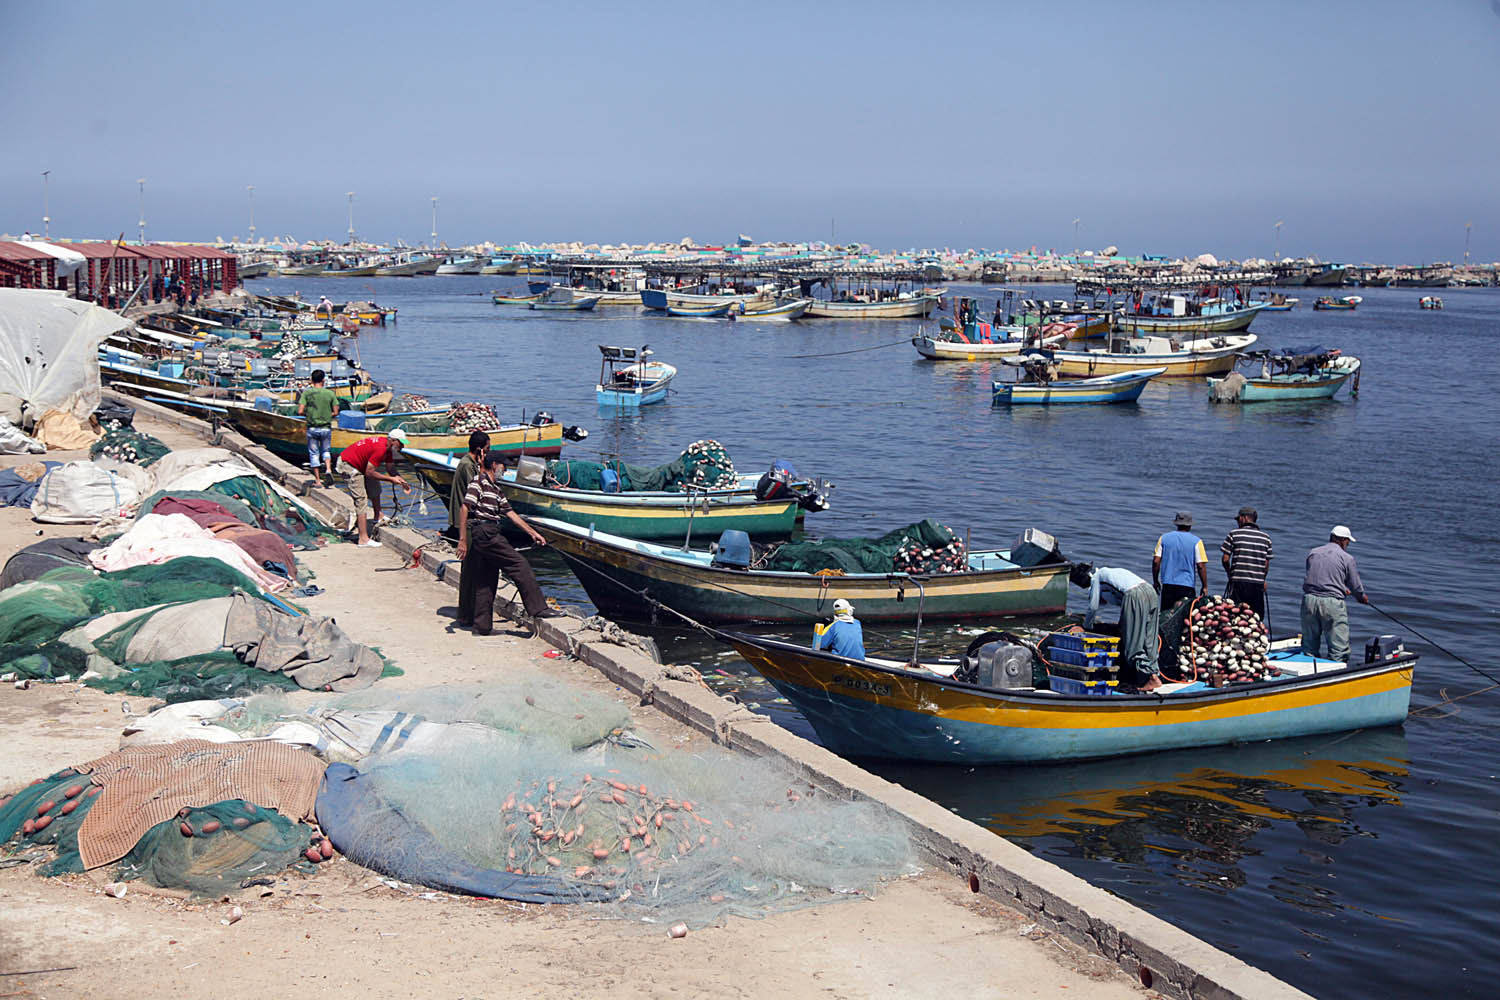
x: 360, y: 463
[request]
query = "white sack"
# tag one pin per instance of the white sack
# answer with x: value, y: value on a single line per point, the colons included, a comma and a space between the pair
x: 82, y: 493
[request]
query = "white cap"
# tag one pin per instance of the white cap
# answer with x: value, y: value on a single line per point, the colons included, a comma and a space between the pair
x: 1339, y: 531
x: 842, y: 607
x: 396, y: 434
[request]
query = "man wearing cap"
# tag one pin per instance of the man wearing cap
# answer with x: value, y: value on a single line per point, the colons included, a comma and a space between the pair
x: 361, y: 463
x: 1246, y: 554
x: 486, y: 553
x: 846, y: 636
x: 1179, y: 556
x: 1140, y: 617
x: 1331, y: 577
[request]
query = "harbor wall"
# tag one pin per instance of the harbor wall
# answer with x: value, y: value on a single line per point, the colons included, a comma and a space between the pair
x: 1161, y: 956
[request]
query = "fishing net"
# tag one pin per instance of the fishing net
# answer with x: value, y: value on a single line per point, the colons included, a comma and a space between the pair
x: 704, y: 464
x: 268, y: 509
x: 430, y: 423
x: 465, y: 418
x: 923, y: 547
x: 128, y: 445
x: 224, y: 845
x: 679, y: 836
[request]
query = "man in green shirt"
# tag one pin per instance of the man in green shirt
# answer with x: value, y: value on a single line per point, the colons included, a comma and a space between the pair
x: 318, y: 404
x: 468, y: 468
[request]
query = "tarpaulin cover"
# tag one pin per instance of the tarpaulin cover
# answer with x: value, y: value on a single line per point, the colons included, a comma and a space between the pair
x: 48, y: 554
x: 18, y: 490
x: 49, y: 347
x: 157, y: 538
x: 69, y: 262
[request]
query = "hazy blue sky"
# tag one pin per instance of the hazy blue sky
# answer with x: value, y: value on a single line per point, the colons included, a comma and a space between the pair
x: 1368, y: 128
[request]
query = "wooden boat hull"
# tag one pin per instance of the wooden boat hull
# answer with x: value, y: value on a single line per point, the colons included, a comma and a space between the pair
x: 1190, y: 362
x: 864, y: 709
x: 577, y: 305
x: 1323, y: 385
x: 699, y: 312
x: 1123, y: 388
x: 917, y: 306
x: 350, y: 272
x: 957, y: 350
x: 616, y: 570
x: 1230, y: 322
x: 659, y: 299
x: 647, y: 515
x: 785, y: 311
x: 514, y: 300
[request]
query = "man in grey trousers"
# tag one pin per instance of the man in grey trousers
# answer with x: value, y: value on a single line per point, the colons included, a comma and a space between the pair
x: 1331, y: 577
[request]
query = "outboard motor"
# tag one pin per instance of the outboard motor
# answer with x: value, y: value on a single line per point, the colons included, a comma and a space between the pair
x: 1384, y: 647
x: 732, y: 550
x: 776, y: 482
x: 573, y: 432
x: 814, y: 496
x: 542, y: 419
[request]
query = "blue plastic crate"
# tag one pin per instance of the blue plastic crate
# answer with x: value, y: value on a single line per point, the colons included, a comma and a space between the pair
x: 1077, y: 658
x: 1068, y: 685
x: 1083, y: 641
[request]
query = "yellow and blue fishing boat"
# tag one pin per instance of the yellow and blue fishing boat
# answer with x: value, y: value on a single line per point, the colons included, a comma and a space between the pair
x: 1123, y: 387
x: 886, y: 709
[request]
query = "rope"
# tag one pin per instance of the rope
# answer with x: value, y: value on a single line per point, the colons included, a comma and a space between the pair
x: 857, y: 350
x: 1494, y: 681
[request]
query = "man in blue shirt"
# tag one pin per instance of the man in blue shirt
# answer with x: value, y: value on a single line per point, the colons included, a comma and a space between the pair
x: 1331, y: 577
x: 1179, y: 557
x: 845, y: 637
x: 1139, y: 617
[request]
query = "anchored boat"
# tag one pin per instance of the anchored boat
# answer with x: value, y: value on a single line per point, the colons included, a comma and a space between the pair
x: 1124, y: 387
x: 1289, y: 373
x: 886, y: 709
x: 628, y: 378
x: 1180, y: 359
x: 1342, y: 302
x: 562, y: 298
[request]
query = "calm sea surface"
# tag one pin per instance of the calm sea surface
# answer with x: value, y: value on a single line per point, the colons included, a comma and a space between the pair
x: 1352, y: 866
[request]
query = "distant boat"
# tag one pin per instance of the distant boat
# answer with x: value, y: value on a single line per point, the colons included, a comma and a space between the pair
x: 700, y: 312
x: 561, y: 298
x: 1124, y: 387
x: 1280, y: 303
x: 952, y: 347
x: 660, y: 298
x: 628, y: 378
x: 356, y: 271
x: 793, y: 309
x: 408, y: 266
x: 1430, y: 302
x: 1346, y: 302
x: 906, y: 306
x: 1179, y: 314
x: 461, y: 265
x: 501, y: 299
x: 1288, y: 374
x: 1205, y: 356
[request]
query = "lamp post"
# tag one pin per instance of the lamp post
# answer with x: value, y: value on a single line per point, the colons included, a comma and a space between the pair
x: 350, y: 196
x: 1467, y: 226
x: 1075, y: 236
x: 1277, y: 249
x: 251, y: 189
x: 141, y: 183
x: 46, y: 218
x: 434, y: 223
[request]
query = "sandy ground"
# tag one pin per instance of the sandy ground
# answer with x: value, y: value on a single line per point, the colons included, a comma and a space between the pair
x: 345, y: 932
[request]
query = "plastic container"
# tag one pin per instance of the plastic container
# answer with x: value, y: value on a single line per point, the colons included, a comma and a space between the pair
x: 260, y: 366
x: 352, y: 420
x: 1085, y: 641
x: 1092, y: 659
x: 170, y: 369
x: 530, y: 470
x: 609, y: 481
x: 1067, y: 685
x: 1083, y: 673
x: 1033, y: 547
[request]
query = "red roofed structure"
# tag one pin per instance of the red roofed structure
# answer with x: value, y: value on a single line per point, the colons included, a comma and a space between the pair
x: 109, y: 273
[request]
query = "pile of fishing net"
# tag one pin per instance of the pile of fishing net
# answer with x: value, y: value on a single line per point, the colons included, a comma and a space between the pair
x: 410, y: 402
x: 672, y: 835
x: 126, y: 445
x: 465, y: 418
x: 926, y: 546
x: 703, y: 464
x: 1227, y: 638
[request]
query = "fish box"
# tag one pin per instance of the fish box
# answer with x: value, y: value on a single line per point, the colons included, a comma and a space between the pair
x: 1033, y: 547
x: 1068, y: 685
x: 170, y: 369
x: 352, y: 420
x: 1093, y: 659
x: 1083, y: 642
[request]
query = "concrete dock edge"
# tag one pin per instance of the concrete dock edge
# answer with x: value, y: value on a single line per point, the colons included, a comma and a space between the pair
x: 1162, y: 956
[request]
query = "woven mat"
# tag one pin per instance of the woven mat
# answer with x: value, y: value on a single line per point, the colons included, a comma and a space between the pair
x: 145, y: 785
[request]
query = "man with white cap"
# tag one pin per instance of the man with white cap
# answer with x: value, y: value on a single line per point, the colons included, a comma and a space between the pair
x: 361, y: 463
x: 845, y: 637
x: 1331, y: 577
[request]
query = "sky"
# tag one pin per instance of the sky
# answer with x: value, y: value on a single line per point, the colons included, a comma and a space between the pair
x: 1367, y: 128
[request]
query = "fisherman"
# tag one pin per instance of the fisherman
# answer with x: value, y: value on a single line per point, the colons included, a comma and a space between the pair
x: 360, y: 464
x: 324, y: 305
x: 1331, y: 577
x: 1246, y: 555
x: 1179, y: 556
x: 487, y: 554
x: 317, y: 405
x: 845, y: 636
x: 1140, y: 617
x: 468, y: 467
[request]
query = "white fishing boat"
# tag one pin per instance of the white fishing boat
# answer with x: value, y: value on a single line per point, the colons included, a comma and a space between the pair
x: 1180, y: 358
x: 461, y: 265
x: 904, y: 306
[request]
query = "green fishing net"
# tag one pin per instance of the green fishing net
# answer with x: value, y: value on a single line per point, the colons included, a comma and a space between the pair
x: 703, y: 464
x: 859, y: 555
x: 230, y: 843
x: 273, y: 512
x: 128, y: 446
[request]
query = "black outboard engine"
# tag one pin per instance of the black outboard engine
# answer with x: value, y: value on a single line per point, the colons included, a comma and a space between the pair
x: 776, y: 482
x: 814, y: 496
x: 1384, y: 647
x: 573, y: 432
x: 542, y: 419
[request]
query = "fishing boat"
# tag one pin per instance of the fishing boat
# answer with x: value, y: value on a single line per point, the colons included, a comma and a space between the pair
x: 607, y: 296
x: 904, y: 306
x: 562, y: 298
x: 461, y: 265
x: 629, y: 577
x: 1180, y: 314
x: 886, y: 709
x: 342, y: 270
x: 1180, y: 359
x: 1288, y: 373
x: 644, y: 514
x: 1430, y: 302
x: 700, y: 312
x: 659, y: 299
x: 791, y: 309
x: 627, y: 377
x: 1122, y: 387
x: 982, y: 344
x: 408, y: 265
x: 501, y: 299
x: 1329, y: 302
x: 1277, y: 302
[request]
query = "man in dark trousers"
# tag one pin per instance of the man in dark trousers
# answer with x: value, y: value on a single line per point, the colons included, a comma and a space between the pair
x: 1246, y: 554
x: 466, y: 473
x: 486, y: 553
x: 1178, y: 560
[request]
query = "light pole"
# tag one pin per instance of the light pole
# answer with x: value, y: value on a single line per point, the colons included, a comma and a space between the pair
x: 1467, y: 227
x: 350, y: 196
x: 434, y: 224
x: 251, y: 189
x: 46, y: 218
x: 1075, y: 236
x: 141, y: 182
x: 1277, y: 250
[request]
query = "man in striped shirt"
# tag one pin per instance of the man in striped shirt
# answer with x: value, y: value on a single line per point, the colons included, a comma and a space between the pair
x: 486, y: 553
x: 1246, y: 554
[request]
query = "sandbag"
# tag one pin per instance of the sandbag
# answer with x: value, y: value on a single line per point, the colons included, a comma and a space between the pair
x: 82, y: 493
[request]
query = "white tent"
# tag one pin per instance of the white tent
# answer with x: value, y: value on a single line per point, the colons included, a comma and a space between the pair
x: 49, y: 349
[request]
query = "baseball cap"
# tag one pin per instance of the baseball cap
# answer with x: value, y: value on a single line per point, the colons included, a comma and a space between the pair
x: 1183, y: 518
x: 842, y: 607
x: 1339, y: 531
x: 1249, y: 512
x: 396, y: 434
